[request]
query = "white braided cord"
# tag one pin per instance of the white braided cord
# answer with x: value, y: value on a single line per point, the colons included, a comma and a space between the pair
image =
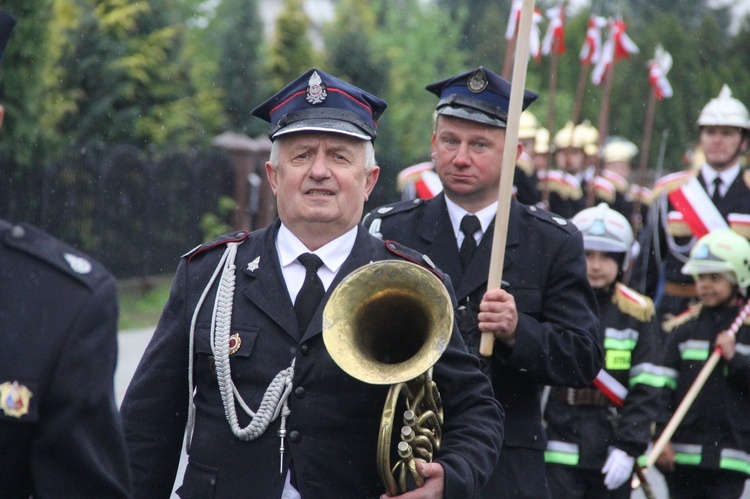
x: 274, y: 400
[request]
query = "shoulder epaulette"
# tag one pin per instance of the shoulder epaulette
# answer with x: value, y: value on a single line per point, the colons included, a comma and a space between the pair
x: 551, y: 218
x: 604, y: 189
x: 633, y: 303
x: 526, y: 164
x: 671, y: 182
x: 232, y: 237
x: 620, y: 183
x: 413, y: 256
x: 56, y: 253
x: 674, y: 321
x: 394, y: 208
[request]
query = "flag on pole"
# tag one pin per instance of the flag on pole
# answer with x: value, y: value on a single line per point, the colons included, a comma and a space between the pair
x: 592, y: 45
x: 513, y: 19
x: 618, y: 46
x: 611, y: 388
x: 535, y: 44
x: 658, y: 67
x: 555, y: 30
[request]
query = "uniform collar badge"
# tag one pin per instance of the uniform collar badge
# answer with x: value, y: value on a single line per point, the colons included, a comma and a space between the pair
x: 14, y: 399
x: 384, y: 210
x: 253, y: 266
x: 78, y: 264
x: 316, y: 89
x: 560, y: 220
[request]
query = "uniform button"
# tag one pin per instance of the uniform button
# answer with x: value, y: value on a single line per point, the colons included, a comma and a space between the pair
x: 17, y: 232
x: 304, y: 349
x: 299, y: 392
x: 294, y: 436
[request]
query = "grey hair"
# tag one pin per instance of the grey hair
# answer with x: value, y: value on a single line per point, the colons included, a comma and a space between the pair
x: 369, y: 154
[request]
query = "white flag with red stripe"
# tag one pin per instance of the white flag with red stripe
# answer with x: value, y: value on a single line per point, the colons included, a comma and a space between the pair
x: 535, y: 36
x: 610, y: 388
x: 555, y: 31
x: 698, y: 212
x: 592, y: 45
x: 658, y: 67
x: 514, y: 19
x: 618, y: 46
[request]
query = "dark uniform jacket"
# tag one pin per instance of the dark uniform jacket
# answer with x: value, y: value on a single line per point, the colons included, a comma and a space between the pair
x: 580, y: 431
x: 60, y: 433
x: 715, y: 432
x: 334, y: 420
x: 557, y: 340
x: 663, y: 255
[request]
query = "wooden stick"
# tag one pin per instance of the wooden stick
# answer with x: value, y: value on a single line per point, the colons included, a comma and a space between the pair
x: 648, y: 130
x: 693, y: 392
x: 494, y: 279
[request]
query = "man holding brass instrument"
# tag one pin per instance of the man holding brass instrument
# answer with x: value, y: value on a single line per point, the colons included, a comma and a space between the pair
x: 247, y: 376
x: 545, y: 323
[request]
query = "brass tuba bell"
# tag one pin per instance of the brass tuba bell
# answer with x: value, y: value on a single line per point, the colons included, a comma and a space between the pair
x: 387, y: 323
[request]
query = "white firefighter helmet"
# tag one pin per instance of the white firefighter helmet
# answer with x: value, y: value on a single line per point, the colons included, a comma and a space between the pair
x: 725, y: 110
x: 619, y: 149
x: 719, y: 251
x: 528, y: 125
x: 604, y: 229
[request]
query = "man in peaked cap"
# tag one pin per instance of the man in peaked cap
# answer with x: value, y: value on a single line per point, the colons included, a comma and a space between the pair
x: 545, y: 322
x: 322, y: 168
x: 60, y: 433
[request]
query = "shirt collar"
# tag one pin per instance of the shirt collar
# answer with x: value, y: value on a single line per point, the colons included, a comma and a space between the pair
x: 456, y: 213
x: 727, y: 176
x: 333, y: 254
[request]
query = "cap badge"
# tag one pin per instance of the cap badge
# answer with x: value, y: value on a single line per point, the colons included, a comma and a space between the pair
x: 235, y: 342
x: 253, y: 266
x: 14, y: 399
x: 316, y: 89
x: 78, y: 264
x: 477, y: 82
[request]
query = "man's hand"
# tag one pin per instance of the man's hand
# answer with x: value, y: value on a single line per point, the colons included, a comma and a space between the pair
x: 498, y: 315
x: 434, y: 483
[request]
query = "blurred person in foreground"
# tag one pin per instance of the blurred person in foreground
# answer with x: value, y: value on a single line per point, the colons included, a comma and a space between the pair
x: 219, y: 344
x: 60, y: 432
x: 544, y: 323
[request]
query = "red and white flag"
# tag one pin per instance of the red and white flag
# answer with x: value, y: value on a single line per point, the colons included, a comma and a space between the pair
x: 658, y: 67
x: 698, y: 212
x: 618, y: 46
x: 610, y: 388
x: 555, y: 31
x: 592, y: 45
x: 514, y: 19
x: 535, y: 44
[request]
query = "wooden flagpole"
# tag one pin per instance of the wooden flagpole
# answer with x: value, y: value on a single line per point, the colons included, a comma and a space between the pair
x: 518, y: 83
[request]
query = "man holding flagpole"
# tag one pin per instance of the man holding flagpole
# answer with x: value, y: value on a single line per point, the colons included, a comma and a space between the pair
x: 544, y: 321
x: 689, y: 204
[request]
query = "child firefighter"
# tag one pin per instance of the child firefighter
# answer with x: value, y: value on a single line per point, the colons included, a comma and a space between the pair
x: 593, y: 438
x: 707, y: 456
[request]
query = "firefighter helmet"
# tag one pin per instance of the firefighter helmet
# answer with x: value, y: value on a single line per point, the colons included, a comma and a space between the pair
x: 719, y: 251
x: 604, y: 229
x: 725, y: 110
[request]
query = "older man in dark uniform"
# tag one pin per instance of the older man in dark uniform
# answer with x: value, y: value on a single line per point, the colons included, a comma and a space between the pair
x: 545, y: 324
x: 60, y: 433
x: 222, y: 340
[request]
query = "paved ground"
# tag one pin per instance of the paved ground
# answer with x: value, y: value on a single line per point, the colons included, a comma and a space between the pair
x: 133, y: 342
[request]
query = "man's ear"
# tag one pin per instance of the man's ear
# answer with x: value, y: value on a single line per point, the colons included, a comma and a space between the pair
x: 271, y: 173
x: 519, y: 150
x: 2, y: 115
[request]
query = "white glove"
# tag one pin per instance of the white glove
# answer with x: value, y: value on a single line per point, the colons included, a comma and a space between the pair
x: 617, y: 469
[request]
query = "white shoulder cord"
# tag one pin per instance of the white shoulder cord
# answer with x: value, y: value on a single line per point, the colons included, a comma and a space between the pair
x: 680, y: 252
x: 274, y: 400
